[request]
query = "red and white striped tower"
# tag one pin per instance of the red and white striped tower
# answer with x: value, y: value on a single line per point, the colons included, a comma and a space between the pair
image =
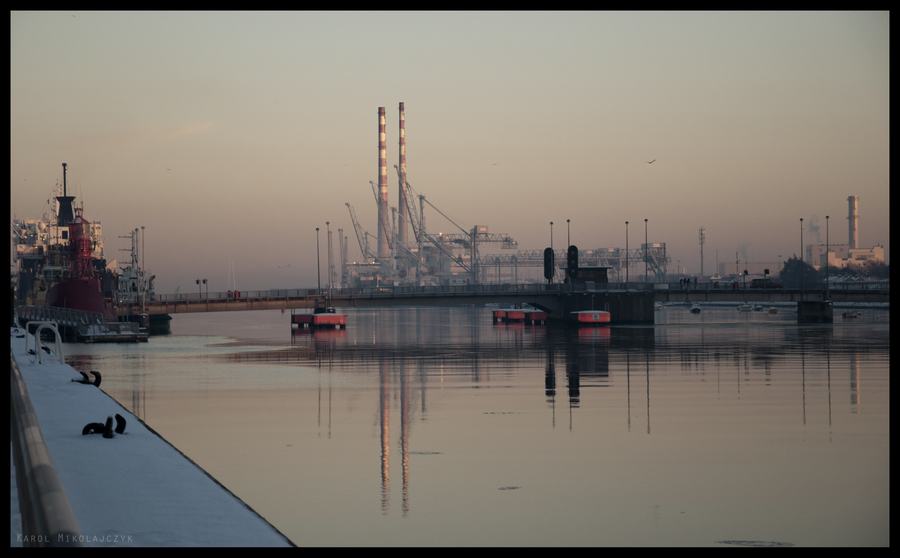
x: 401, y: 198
x: 383, y: 232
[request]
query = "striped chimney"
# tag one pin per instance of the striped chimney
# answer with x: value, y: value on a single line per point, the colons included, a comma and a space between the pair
x: 401, y: 199
x: 383, y: 231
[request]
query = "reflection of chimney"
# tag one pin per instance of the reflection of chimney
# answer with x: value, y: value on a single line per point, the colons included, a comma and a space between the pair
x: 401, y: 199
x: 384, y: 408
x: 382, y: 188
x: 404, y: 438
x: 853, y: 221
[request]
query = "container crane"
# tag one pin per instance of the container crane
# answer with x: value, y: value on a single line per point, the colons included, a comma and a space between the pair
x: 361, y: 235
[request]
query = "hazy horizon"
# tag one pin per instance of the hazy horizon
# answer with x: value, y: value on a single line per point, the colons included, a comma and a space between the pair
x: 231, y: 135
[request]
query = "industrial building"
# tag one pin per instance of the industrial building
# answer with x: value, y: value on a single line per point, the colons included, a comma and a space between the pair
x: 847, y: 255
x: 467, y: 255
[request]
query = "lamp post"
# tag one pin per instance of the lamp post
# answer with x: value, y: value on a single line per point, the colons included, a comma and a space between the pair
x: 568, y: 234
x: 143, y: 284
x: 552, y: 250
x: 207, y: 293
x: 626, y: 255
x: 199, y: 290
x: 646, y: 258
x: 318, y: 273
x: 801, y: 259
x: 826, y: 257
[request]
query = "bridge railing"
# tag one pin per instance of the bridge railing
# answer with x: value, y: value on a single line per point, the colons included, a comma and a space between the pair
x: 450, y: 290
x: 47, y: 517
x: 65, y: 316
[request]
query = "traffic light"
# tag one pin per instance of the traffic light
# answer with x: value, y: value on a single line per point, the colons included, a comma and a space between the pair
x: 548, y: 264
x: 572, y: 262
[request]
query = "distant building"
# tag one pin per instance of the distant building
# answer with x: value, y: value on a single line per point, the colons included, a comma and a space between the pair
x: 853, y: 257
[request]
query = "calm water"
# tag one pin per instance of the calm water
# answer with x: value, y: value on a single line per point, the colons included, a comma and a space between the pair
x: 432, y: 426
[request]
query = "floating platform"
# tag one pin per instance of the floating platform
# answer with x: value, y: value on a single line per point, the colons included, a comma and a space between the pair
x: 591, y: 317
x: 113, y: 332
x: 315, y: 320
x: 523, y: 315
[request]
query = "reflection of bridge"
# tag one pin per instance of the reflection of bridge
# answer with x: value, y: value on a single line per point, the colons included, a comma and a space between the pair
x: 632, y: 304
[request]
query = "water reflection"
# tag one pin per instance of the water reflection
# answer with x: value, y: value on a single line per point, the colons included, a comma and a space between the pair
x: 394, y: 357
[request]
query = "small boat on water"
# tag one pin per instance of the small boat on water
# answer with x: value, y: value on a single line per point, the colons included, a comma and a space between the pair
x: 745, y: 307
x: 322, y: 317
x: 524, y: 315
x: 758, y: 308
x: 591, y: 317
x: 852, y: 315
x: 773, y: 310
x: 695, y: 309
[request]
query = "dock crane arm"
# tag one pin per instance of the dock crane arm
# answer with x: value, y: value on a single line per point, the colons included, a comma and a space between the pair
x: 413, y: 217
x: 361, y: 237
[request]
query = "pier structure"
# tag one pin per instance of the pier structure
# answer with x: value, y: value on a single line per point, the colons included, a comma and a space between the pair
x: 131, y: 488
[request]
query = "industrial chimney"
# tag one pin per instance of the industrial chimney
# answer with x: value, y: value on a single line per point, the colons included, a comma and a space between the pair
x: 853, y: 222
x: 401, y: 197
x: 383, y: 231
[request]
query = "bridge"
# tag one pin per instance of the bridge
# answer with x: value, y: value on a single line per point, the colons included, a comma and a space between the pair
x: 633, y: 302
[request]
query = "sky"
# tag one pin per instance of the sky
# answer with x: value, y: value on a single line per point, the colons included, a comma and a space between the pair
x: 231, y: 135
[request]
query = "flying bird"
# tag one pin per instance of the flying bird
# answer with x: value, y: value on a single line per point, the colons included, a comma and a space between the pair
x: 651, y: 162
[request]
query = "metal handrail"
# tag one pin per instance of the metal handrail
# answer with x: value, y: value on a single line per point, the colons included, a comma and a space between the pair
x: 47, y: 517
x: 38, y: 344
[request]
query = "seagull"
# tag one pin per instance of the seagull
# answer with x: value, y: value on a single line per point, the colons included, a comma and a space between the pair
x: 650, y: 162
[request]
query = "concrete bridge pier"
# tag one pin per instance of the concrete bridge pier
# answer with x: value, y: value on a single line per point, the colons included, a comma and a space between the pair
x: 814, y: 311
x: 625, y: 307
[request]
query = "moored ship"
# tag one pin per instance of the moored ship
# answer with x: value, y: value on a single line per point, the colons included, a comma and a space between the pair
x: 61, y: 273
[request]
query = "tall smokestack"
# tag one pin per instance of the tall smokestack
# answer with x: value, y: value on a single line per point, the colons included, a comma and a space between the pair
x: 401, y: 199
x: 383, y: 231
x: 853, y: 221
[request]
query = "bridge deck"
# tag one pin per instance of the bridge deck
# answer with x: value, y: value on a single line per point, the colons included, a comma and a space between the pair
x: 480, y: 294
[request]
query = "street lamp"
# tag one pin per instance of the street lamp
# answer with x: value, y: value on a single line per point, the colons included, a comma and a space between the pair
x: 143, y: 284
x: 826, y: 257
x: 199, y: 290
x: 552, y: 250
x: 801, y: 258
x: 568, y: 235
x: 318, y: 274
x: 626, y: 255
x: 646, y: 258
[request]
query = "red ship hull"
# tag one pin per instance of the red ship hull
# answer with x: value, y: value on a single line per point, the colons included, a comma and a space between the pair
x: 80, y: 294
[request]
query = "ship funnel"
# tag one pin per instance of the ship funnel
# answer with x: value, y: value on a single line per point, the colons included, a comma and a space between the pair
x: 66, y: 215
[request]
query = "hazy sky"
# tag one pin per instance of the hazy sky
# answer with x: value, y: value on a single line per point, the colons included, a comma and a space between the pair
x: 231, y: 135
